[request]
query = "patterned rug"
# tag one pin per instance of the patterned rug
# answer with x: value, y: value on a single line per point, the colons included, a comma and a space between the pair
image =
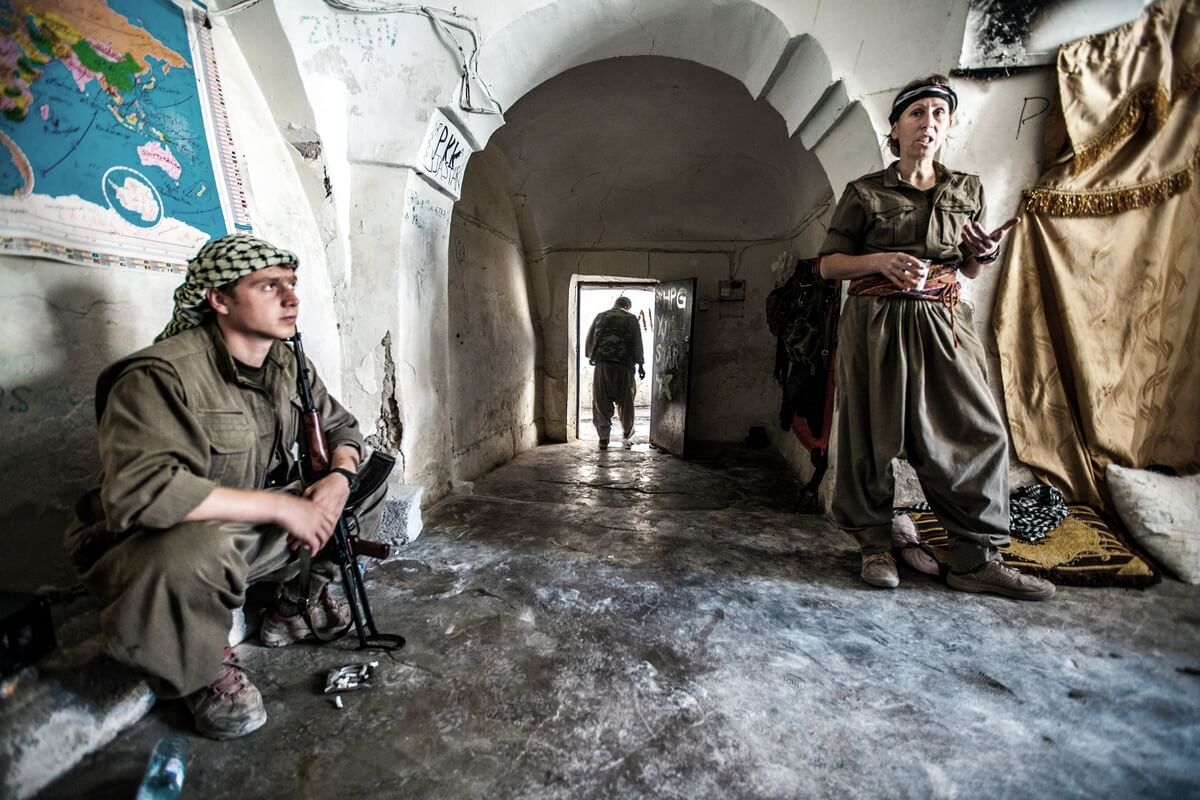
x: 1084, y: 550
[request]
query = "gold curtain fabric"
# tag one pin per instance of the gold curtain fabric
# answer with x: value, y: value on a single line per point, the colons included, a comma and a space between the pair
x: 1098, y: 308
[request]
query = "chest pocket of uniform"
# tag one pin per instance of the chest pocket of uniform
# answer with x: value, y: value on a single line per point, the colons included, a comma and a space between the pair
x: 950, y: 216
x: 231, y: 441
x: 894, y: 227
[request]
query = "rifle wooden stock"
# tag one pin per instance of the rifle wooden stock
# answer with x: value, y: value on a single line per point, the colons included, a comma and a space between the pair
x: 364, y: 547
x: 316, y: 446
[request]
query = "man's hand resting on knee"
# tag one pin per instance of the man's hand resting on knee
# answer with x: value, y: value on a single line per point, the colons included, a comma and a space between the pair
x: 330, y: 493
x: 310, y: 523
x: 309, y: 520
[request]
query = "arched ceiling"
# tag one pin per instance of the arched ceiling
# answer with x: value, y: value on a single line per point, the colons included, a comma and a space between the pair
x: 742, y: 38
x: 652, y: 149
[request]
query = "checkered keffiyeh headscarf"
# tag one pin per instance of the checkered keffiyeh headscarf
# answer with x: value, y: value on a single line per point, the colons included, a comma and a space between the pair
x: 217, y: 263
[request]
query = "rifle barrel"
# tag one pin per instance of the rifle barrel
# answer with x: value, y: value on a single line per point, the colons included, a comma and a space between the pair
x: 302, y: 382
x: 316, y: 446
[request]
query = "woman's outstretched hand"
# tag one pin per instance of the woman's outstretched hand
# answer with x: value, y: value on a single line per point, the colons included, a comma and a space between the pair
x: 980, y: 242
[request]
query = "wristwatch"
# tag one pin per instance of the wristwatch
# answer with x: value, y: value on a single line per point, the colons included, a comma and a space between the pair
x: 989, y: 258
x: 350, y: 476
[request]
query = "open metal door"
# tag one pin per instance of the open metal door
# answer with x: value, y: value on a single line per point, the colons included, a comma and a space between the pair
x: 674, y: 302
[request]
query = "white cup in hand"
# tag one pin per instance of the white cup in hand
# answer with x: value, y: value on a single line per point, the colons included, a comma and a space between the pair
x: 923, y: 274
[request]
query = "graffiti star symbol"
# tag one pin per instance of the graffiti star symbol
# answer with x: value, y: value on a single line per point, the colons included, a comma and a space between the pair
x: 664, y: 385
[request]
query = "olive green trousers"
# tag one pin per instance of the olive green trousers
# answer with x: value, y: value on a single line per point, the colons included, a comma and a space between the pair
x: 906, y: 391
x: 167, y: 596
x: 613, y: 383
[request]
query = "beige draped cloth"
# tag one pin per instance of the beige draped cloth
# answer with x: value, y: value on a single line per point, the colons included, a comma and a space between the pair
x: 1098, y: 309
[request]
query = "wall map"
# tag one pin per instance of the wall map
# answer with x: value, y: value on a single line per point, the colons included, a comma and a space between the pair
x: 116, y: 147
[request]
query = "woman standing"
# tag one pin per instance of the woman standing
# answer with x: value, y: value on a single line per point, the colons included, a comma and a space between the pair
x: 911, y: 371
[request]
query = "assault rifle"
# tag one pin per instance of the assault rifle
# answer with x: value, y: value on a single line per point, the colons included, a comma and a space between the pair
x: 314, y: 465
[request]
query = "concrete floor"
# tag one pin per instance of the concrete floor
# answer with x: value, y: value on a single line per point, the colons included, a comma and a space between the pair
x: 625, y: 624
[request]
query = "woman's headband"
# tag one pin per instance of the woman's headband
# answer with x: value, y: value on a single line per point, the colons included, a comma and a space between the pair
x: 921, y: 92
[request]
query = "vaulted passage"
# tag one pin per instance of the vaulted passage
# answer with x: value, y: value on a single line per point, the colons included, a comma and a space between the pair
x: 642, y: 167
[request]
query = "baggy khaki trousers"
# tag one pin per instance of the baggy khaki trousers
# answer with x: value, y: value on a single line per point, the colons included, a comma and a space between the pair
x: 167, y: 596
x: 612, y: 383
x: 906, y: 391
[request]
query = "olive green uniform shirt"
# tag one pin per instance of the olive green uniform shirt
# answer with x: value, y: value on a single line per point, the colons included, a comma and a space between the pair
x: 880, y: 213
x: 176, y: 420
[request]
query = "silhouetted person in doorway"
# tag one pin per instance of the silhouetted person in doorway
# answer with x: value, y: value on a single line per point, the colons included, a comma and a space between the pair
x: 614, y: 347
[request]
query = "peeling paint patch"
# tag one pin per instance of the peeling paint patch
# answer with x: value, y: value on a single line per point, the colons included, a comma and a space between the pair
x: 308, y: 150
x: 389, y: 430
x: 330, y: 62
x: 305, y: 140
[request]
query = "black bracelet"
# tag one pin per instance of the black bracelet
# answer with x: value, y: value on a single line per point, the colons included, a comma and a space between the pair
x: 349, y: 476
x: 989, y: 258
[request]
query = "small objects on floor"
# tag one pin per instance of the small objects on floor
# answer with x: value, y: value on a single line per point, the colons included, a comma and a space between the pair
x: 337, y: 701
x: 349, y: 678
x: 163, y: 779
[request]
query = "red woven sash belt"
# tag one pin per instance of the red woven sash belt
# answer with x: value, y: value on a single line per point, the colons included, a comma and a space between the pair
x: 941, y: 285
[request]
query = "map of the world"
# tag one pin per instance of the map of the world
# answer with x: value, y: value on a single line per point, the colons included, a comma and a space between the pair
x: 114, y: 151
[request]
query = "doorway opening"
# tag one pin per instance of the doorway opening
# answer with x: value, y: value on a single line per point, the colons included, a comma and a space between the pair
x: 594, y: 297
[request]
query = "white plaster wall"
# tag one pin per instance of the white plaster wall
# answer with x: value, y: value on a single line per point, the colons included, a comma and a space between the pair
x: 384, y: 72
x: 395, y: 325
x: 423, y: 349
x: 492, y: 373
x: 60, y: 324
x: 319, y: 151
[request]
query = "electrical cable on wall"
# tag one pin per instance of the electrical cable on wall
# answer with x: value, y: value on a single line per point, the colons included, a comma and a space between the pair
x: 443, y: 18
x: 233, y: 9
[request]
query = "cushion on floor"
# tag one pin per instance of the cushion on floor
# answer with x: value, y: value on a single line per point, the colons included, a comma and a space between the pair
x: 1162, y: 513
x: 1084, y: 550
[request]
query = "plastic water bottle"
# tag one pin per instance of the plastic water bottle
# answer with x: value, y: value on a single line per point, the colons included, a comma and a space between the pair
x: 164, y: 774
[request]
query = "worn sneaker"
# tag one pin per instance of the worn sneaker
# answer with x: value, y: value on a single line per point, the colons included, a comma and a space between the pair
x: 228, y: 707
x: 627, y: 442
x: 996, y: 578
x: 879, y: 569
x: 329, y: 615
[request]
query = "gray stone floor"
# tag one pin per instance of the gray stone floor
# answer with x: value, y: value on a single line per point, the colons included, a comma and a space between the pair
x: 624, y: 624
